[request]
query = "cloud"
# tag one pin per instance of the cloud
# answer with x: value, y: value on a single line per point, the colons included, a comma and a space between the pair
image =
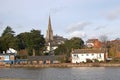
x: 113, y: 14
x: 100, y: 27
x: 77, y: 34
x: 78, y: 26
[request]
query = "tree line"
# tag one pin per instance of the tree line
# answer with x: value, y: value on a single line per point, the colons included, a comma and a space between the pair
x: 34, y: 42
x: 31, y: 41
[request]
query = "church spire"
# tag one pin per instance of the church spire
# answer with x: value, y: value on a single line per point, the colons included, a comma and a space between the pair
x: 49, y: 35
x: 49, y: 24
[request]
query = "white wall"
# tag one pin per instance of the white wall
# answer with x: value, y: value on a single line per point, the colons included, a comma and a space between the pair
x: 77, y: 58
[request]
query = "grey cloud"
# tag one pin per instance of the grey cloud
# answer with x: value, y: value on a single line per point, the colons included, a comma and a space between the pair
x: 78, y: 26
x: 114, y: 14
x: 100, y: 27
x: 77, y: 34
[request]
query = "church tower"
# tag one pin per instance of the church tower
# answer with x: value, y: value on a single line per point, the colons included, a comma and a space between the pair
x: 49, y: 35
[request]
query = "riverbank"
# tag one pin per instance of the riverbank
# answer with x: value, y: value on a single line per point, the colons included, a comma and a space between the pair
x: 12, y: 79
x: 68, y: 65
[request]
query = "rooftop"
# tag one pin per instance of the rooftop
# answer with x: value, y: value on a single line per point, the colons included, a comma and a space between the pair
x: 88, y: 51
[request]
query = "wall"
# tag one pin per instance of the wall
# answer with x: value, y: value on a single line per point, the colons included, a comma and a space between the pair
x: 82, y: 57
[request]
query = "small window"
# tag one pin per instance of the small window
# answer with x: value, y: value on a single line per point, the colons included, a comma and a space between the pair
x: 87, y: 54
x: 75, y: 56
x: 100, y: 55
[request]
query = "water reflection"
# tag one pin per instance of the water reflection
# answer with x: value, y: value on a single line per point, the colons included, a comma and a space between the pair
x: 82, y: 73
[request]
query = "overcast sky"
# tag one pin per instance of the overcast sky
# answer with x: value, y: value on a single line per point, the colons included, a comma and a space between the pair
x: 82, y: 18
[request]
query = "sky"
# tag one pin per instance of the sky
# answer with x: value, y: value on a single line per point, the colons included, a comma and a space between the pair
x: 86, y: 19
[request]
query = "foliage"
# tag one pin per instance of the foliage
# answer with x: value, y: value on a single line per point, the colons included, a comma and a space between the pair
x: 8, y: 30
x: 8, y: 40
x: 89, y: 61
x: 30, y: 41
x: 33, y: 41
x: 96, y: 60
x: 65, y: 49
x: 60, y: 50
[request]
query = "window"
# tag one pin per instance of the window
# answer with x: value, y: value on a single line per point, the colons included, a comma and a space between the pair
x: 92, y: 54
x: 87, y: 54
x: 100, y: 55
x: 75, y: 56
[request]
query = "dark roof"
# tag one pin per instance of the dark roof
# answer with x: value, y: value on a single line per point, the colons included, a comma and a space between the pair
x: 7, y: 54
x: 44, y: 58
x: 88, y: 51
x: 91, y: 40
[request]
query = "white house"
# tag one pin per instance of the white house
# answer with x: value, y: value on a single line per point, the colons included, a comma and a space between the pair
x: 82, y: 55
x: 11, y: 50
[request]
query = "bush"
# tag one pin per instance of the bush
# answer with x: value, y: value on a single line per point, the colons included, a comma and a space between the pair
x: 95, y: 60
x: 89, y: 61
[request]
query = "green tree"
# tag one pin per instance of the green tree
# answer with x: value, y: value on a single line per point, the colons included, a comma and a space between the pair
x: 33, y: 41
x: 38, y: 41
x: 8, y: 40
x: 8, y: 30
x: 65, y: 49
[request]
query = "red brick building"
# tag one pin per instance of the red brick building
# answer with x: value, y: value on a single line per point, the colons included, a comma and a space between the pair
x: 93, y: 43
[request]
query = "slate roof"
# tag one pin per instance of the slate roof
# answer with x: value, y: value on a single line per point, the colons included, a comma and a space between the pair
x: 81, y: 51
x: 32, y: 58
x: 7, y: 54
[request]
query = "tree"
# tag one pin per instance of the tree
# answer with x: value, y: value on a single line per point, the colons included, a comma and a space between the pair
x: 38, y: 41
x: 8, y: 40
x: 8, y: 30
x: 33, y: 41
x: 103, y: 38
x: 105, y: 44
x: 65, y: 49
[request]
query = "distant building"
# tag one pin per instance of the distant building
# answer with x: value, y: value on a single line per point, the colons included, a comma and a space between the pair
x: 52, y: 42
x: 44, y: 59
x: 7, y: 58
x: 49, y: 35
x: 115, y: 48
x: 83, y: 55
x: 11, y: 50
x: 93, y: 43
x: 49, y: 38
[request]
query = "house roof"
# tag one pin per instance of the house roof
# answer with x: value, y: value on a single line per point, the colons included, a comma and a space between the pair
x: 91, y: 40
x: 81, y: 51
x: 31, y: 58
x: 7, y: 54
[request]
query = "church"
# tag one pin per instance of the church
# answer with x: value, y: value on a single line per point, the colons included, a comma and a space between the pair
x: 52, y: 41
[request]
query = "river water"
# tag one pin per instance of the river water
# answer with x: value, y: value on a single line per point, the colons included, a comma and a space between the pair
x: 81, y: 73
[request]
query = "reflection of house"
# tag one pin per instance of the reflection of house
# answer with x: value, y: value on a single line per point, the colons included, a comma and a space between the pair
x: 93, y: 43
x: 82, y: 55
x: 7, y: 58
x: 44, y: 59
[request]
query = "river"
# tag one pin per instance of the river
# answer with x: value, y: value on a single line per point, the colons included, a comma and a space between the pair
x: 81, y: 73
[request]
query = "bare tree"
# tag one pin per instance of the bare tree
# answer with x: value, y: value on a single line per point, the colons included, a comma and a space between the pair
x: 103, y: 38
x: 105, y: 43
